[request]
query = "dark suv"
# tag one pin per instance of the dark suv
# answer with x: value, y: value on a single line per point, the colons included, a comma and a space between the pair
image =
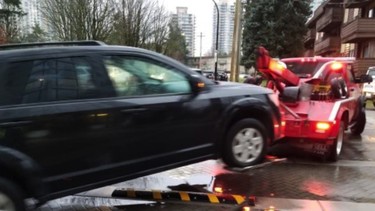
x: 79, y: 115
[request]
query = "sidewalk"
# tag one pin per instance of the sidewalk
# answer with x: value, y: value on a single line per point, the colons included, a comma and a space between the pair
x: 311, y: 205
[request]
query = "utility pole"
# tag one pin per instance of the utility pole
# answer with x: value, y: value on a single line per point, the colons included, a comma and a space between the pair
x: 200, y: 51
x: 236, y: 44
x: 217, y: 39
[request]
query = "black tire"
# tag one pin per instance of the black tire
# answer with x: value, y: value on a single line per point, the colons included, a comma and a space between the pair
x: 251, y: 149
x: 339, y: 88
x: 336, y: 148
x: 359, y: 126
x: 373, y: 103
x: 13, y: 195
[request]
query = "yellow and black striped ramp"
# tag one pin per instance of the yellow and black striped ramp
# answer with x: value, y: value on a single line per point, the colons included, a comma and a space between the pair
x: 177, y: 196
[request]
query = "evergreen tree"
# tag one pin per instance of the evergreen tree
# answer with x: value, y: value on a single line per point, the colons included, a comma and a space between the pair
x: 176, y: 44
x: 37, y: 35
x: 278, y: 25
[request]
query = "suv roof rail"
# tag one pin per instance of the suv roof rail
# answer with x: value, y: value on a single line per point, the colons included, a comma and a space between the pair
x: 43, y: 44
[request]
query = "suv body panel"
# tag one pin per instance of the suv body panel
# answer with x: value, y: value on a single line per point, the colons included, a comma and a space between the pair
x: 79, y: 144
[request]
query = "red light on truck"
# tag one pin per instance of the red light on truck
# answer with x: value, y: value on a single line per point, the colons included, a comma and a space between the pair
x: 322, y: 127
x: 276, y: 65
x: 218, y: 189
x: 336, y: 66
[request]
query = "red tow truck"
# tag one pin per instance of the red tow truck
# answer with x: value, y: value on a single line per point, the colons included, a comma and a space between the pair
x: 320, y: 99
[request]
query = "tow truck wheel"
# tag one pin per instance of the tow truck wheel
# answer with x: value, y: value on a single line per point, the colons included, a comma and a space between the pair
x: 359, y: 125
x: 339, y: 88
x: 10, y: 196
x: 337, y: 145
x: 246, y: 143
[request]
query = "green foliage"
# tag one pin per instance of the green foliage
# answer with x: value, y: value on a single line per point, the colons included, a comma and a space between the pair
x: 176, y: 43
x: 278, y: 25
x: 37, y: 35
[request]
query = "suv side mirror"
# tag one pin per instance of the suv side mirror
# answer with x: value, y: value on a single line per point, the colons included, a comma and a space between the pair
x: 364, y: 79
x: 197, y: 84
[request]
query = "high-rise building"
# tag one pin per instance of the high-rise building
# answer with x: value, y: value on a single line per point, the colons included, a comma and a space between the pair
x: 32, y: 9
x: 186, y: 23
x: 226, y: 26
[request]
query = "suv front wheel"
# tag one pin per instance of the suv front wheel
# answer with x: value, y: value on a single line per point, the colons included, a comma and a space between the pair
x: 11, y: 196
x: 246, y: 143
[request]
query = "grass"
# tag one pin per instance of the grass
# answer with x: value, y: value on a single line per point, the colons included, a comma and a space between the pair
x: 369, y: 104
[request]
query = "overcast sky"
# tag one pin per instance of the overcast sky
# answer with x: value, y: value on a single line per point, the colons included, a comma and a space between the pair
x: 202, y: 9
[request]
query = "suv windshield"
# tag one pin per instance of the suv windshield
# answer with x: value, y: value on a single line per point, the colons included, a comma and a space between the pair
x: 304, y: 69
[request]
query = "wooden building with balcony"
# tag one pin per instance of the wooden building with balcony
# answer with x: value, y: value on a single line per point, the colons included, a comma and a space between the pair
x: 358, y: 31
x: 324, y: 29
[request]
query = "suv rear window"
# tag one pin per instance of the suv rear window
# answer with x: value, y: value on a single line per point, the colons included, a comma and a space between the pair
x: 47, y: 80
x: 304, y: 69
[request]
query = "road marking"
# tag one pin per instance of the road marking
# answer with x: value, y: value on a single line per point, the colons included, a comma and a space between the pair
x: 184, y: 196
x: 213, y: 198
x: 156, y: 195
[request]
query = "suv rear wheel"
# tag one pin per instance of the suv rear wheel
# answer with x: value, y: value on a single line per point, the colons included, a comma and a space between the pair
x: 246, y: 143
x: 11, y: 196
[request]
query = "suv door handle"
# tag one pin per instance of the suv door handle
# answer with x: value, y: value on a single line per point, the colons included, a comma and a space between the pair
x: 13, y: 124
x: 133, y: 110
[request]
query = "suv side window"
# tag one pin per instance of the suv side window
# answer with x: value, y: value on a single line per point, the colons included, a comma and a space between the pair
x: 48, y: 80
x: 133, y: 76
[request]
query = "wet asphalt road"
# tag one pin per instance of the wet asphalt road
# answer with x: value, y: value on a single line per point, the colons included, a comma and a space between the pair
x: 302, y: 176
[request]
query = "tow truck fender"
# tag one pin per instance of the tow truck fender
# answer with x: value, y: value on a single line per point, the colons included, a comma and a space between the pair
x: 361, y: 106
x: 21, y: 168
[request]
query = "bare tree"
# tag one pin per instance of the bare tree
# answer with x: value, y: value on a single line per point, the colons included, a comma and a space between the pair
x: 159, y: 29
x: 80, y: 19
x: 10, y: 12
x: 141, y: 24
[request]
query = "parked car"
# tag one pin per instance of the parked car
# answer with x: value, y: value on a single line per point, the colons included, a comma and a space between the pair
x: 210, y: 74
x: 369, y: 88
x: 74, y: 118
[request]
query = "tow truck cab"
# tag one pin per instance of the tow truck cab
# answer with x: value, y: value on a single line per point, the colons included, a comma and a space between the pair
x: 328, y: 95
x: 320, y: 98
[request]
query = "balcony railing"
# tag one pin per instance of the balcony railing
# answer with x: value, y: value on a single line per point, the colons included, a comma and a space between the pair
x: 356, y: 3
x: 310, y: 36
x: 361, y: 65
x: 328, y: 45
x: 332, y: 17
x: 358, y: 29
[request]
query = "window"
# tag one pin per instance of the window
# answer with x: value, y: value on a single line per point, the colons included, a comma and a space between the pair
x: 371, y: 13
x: 346, y: 15
x: 47, y: 80
x: 133, y: 76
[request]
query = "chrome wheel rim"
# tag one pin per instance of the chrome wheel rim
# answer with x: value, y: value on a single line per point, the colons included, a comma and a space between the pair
x: 340, y: 140
x: 247, y: 145
x: 6, y: 203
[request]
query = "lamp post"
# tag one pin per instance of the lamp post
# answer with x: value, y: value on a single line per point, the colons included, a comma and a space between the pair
x: 217, y: 38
